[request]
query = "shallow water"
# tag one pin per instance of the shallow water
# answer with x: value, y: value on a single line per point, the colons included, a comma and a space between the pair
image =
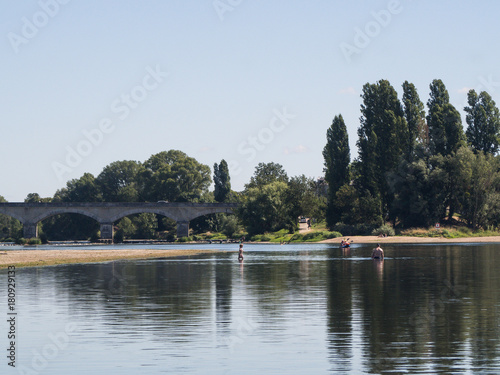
x: 292, y: 309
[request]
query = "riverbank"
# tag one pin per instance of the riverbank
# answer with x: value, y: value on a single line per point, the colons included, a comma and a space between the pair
x: 408, y: 239
x: 37, y: 258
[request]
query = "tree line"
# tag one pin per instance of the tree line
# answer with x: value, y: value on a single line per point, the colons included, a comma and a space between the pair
x: 169, y: 176
x: 413, y: 169
x: 271, y: 201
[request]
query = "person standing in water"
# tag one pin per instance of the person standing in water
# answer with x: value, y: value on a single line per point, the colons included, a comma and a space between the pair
x: 378, y: 253
x: 240, y: 253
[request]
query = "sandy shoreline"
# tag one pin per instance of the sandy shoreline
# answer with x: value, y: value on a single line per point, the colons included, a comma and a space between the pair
x: 36, y: 258
x: 405, y: 239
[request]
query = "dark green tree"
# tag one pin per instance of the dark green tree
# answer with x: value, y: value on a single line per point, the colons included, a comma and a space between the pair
x: 266, y: 173
x: 124, y: 229
x: 483, y: 121
x: 358, y: 208
x: 10, y: 228
x: 145, y: 225
x: 265, y: 208
x: 477, y: 178
x: 84, y: 189
x: 33, y: 198
x: 445, y: 124
x: 415, y: 118
x: 337, y: 157
x: 299, y: 187
x: 418, y: 190
x: 230, y: 225
x: 119, y: 181
x: 222, y: 182
x: 305, y: 199
x: 446, y: 136
x: 272, y: 201
x: 175, y: 177
x: 382, y: 140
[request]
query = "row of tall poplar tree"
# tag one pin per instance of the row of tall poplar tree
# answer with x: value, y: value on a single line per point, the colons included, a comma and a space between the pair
x: 415, y: 169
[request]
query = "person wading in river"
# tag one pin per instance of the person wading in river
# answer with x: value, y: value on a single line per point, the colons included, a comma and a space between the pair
x: 240, y: 253
x: 378, y: 253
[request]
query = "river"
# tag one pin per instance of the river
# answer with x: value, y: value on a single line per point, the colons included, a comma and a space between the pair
x: 291, y: 309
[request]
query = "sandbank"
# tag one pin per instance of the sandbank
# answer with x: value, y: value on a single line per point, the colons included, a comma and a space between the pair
x: 37, y: 258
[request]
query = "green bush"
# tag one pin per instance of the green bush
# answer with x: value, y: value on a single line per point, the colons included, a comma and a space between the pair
x: 183, y: 239
x: 260, y: 237
x: 118, y: 237
x: 465, y: 230
x: 333, y: 234
x: 320, y: 236
x: 311, y: 236
x: 282, y: 232
x: 34, y: 241
x: 94, y: 238
x: 446, y: 233
x: 216, y: 236
x: 44, y: 239
x: 230, y: 226
x: 456, y: 232
x: 297, y: 238
x: 21, y: 241
x: 385, y: 229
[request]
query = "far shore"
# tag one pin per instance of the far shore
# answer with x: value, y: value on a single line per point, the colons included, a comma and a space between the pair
x: 38, y: 258
x: 407, y: 239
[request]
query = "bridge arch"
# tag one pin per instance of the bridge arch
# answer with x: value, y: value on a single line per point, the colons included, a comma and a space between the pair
x: 209, y: 211
x: 14, y: 215
x: 174, y: 213
x: 45, y: 215
x: 134, y: 211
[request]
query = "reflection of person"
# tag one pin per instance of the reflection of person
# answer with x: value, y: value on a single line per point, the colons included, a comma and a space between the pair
x: 379, y: 268
x: 378, y: 253
x: 240, y: 254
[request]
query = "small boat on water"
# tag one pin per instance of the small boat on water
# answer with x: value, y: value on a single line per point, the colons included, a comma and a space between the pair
x: 345, y: 244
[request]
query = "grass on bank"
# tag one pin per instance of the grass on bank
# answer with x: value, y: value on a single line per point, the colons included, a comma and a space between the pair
x: 319, y: 232
x: 281, y: 236
x: 449, y: 232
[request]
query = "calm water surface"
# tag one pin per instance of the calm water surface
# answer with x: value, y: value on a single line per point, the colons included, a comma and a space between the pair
x: 292, y: 309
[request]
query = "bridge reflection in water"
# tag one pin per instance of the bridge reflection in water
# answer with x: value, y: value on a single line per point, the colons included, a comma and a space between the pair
x: 106, y: 213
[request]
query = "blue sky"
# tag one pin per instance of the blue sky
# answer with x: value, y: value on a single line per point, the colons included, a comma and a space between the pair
x: 86, y: 83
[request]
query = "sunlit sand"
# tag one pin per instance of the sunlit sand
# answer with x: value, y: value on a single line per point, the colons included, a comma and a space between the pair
x: 36, y: 258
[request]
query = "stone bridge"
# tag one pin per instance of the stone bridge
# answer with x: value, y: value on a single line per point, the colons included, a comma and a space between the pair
x: 29, y: 214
